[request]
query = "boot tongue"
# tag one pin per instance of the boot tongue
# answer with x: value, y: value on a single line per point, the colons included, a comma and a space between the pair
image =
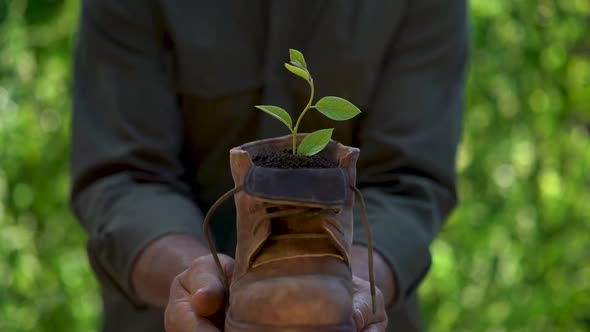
x: 320, y: 187
x: 293, y: 237
x: 298, y: 226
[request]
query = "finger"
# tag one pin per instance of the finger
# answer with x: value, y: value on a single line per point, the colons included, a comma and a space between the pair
x: 177, y: 290
x: 359, y: 319
x: 378, y: 327
x: 204, y: 283
x: 179, y: 317
x: 363, y: 313
x: 363, y: 309
x: 206, y: 265
x: 209, y: 298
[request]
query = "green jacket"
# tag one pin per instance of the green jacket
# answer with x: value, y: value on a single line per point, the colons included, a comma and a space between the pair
x: 163, y: 90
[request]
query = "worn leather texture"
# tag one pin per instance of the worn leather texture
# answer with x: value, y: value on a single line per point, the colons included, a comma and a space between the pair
x: 282, y: 276
x: 322, y: 186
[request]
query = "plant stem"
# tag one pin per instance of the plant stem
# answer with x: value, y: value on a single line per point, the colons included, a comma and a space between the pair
x: 307, y: 107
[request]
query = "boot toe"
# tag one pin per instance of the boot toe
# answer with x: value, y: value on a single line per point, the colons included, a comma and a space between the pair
x: 299, y: 300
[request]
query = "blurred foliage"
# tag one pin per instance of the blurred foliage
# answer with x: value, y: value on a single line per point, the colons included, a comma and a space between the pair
x: 513, y: 257
x: 45, y: 280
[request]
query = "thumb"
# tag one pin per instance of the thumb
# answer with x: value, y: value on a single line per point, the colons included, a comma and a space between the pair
x: 209, y: 295
x: 363, y: 314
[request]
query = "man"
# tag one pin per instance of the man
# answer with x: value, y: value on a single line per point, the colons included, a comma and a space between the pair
x: 163, y: 90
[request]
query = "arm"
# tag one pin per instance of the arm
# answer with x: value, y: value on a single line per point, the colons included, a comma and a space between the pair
x: 409, y: 138
x: 126, y: 141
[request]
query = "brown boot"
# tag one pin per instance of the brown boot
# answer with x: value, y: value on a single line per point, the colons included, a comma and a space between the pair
x: 294, y: 234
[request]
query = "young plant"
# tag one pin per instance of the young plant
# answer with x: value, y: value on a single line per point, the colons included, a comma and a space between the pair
x: 335, y: 108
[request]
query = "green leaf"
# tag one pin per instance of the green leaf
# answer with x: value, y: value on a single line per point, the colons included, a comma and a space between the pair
x: 298, y: 71
x: 277, y: 113
x: 337, y: 108
x: 297, y: 58
x: 315, y: 142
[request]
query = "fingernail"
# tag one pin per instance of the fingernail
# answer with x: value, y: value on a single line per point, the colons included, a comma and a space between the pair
x: 359, y: 319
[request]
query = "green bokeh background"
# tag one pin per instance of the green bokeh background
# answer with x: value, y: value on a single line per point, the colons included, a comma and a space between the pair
x: 515, y: 256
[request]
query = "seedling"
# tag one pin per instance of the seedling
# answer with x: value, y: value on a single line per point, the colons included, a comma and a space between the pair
x: 335, y: 108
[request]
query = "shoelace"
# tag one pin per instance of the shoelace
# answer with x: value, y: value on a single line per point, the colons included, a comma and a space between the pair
x: 300, y: 212
x: 289, y: 211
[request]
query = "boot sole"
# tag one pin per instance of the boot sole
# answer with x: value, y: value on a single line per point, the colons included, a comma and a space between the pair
x: 234, y: 326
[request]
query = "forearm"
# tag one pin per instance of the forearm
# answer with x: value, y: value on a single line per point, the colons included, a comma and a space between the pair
x: 384, y: 277
x: 160, y: 262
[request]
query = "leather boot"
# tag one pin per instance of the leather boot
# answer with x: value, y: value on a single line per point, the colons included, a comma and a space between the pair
x: 294, y: 234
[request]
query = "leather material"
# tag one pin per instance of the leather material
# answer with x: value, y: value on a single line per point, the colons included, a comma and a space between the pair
x: 293, y: 300
x: 283, y: 276
x: 234, y: 326
x: 323, y: 186
x: 277, y: 250
x: 293, y: 291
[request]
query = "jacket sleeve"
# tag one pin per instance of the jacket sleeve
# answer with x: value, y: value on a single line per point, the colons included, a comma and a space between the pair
x: 126, y: 138
x: 409, y: 138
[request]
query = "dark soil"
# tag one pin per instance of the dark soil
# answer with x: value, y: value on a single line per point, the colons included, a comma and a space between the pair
x: 286, y: 159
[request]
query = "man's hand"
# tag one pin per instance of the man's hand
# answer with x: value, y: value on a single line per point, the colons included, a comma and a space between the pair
x: 160, y: 262
x: 197, y: 297
x: 364, y: 318
x: 197, y: 300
